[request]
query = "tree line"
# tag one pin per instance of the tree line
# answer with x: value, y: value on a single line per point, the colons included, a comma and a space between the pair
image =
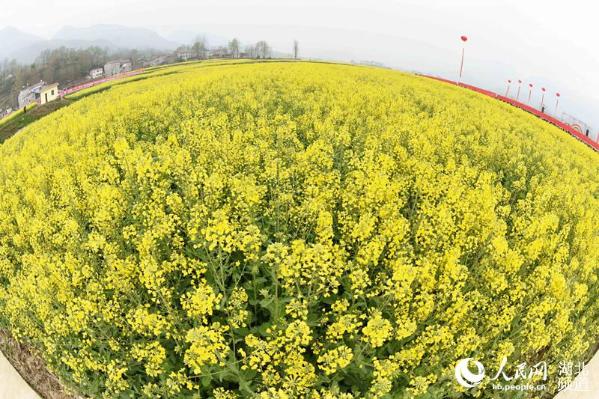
x: 199, y: 50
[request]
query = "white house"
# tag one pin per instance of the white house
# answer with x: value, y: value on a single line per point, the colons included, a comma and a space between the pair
x: 183, y: 54
x: 49, y: 93
x: 96, y: 73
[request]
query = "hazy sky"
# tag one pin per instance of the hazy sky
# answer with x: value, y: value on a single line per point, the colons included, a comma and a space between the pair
x: 550, y: 43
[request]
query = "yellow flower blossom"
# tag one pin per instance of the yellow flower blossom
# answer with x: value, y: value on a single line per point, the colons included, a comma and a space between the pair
x: 377, y: 330
x: 294, y: 230
x: 335, y: 359
x: 207, y: 346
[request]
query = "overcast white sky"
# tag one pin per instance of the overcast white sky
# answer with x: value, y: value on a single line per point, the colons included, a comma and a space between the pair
x: 550, y: 43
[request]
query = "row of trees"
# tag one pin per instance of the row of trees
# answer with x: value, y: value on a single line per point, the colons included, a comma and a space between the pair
x: 200, y: 50
x: 259, y: 50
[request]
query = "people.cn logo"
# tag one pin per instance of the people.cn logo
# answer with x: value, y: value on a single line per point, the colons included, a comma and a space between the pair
x: 467, y: 378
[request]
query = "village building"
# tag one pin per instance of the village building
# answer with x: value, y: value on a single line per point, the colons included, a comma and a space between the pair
x: 184, y: 55
x: 117, y: 66
x: 126, y: 66
x: 49, y: 93
x: 157, y: 61
x: 96, y: 73
x: 30, y: 94
x: 220, y: 52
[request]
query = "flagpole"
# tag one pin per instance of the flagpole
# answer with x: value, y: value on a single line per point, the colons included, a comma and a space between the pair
x: 529, y: 92
x: 464, y: 40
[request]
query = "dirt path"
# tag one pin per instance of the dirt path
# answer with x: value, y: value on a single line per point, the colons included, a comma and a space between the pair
x: 23, y: 373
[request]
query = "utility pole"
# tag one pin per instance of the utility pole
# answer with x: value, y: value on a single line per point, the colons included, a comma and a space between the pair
x: 295, y: 49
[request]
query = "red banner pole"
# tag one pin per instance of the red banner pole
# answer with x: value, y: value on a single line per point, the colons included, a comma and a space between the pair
x: 543, y: 99
x: 461, y: 66
x: 529, y: 92
x: 464, y: 39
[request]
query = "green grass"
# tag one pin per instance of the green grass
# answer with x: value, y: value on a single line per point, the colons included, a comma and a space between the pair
x: 15, y: 114
x: 17, y: 121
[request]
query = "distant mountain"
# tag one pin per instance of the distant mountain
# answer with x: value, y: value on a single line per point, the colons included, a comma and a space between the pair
x: 12, y: 39
x: 25, y: 47
x: 121, y: 36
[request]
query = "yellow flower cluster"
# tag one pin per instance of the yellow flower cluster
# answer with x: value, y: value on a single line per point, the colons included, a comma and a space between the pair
x: 151, y: 355
x: 335, y: 359
x: 294, y: 230
x: 207, y: 347
x: 377, y: 330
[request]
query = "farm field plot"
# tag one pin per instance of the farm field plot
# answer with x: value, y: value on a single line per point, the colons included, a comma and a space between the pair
x: 295, y: 230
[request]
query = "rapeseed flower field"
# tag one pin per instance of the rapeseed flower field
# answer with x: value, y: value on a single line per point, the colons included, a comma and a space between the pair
x: 295, y: 230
